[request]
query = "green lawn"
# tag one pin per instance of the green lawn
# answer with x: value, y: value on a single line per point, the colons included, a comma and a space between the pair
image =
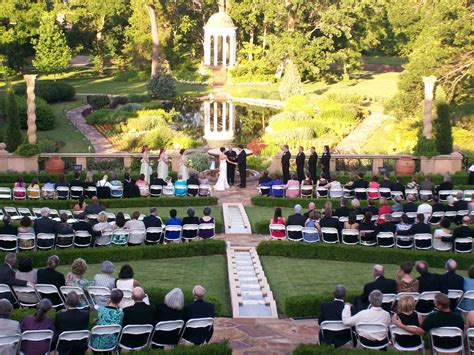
x: 291, y: 277
x: 185, y: 273
x: 383, y: 59
x: 257, y: 214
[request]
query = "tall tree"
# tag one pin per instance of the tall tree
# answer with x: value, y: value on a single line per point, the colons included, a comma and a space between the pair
x: 12, y: 134
x: 52, y: 51
x: 443, y: 125
x: 155, y: 47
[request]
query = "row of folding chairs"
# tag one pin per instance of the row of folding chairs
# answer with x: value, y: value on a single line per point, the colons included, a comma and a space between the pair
x: 168, y: 333
x: 393, y: 332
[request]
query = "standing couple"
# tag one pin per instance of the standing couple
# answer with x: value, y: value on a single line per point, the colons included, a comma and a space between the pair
x: 227, y: 162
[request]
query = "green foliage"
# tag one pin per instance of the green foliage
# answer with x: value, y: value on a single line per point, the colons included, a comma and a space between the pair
x: 135, y: 98
x: 12, y: 135
x: 98, y: 101
x: 258, y: 163
x: 50, y: 91
x: 162, y: 86
x: 314, y: 349
x: 425, y: 147
x: 131, y: 76
x: 100, y: 116
x: 291, y: 83
x: 47, y: 145
x: 52, y: 51
x: 256, y: 70
x: 28, y: 150
x: 200, y: 161
x: 443, y: 125
x: 45, y: 116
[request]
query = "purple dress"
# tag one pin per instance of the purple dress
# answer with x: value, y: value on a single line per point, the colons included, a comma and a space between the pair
x: 206, y: 233
x: 36, y: 347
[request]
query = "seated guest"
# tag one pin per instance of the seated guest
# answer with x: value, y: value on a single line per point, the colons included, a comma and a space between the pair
x: 203, y: 181
x: 118, y: 237
x: 409, y: 317
x: 374, y: 184
x: 193, y: 180
x: 327, y: 205
x: 334, y: 186
x: 384, y: 211
x: 105, y: 278
x: 442, y: 318
x: 311, y: 207
x: 427, y: 184
x: 170, y: 309
x: 442, y: 237
x: 368, y: 230
x: 428, y: 281
x: 89, y: 182
x: 69, y: 320
x: 371, y: 208
x: 410, y: 206
x: 49, y: 275
x: 437, y: 206
x: 134, y: 223
x: 143, y: 186
x: 83, y: 226
x: 206, y: 219
x: 139, y: 313
x: 355, y: 204
x: 80, y: 206
x: 332, y: 311
x: 328, y: 222
x: 102, y: 223
x: 125, y: 280
x: 198, y: 309
x: 450, y: 205
x: 8, y: 326
x: 471, y: 208
x: 451, y: 280
x: 63, y: 228
x: 19, y: 183
x: 76, y: 182
x: 26, y: 271
x: 343, y: 211
x: 62, y: 181
x: 119, y: 221
x: 116, y: 189
x: 277, y: 219
x: 413, y: 184
x: 129, y: 187
x: 189, y: 219
x: 296, y: 219
x: 445, y: 185
x: 49, y: 188
x: 349, y: 185
x: 380, y: 283
x: 38, y: 321
x: 361, y: 183
x: 351, y: 222
x: 108, y: 315
x: 173, y: 221
x: 76, y: 276
x: 398, y: 186
x: 312, y: 222
x: 425, y: 207
x: 264, y: 178
x: 461, y: 205
x: 44, y: 224
x: 104, y: 182
x: 404, y: 227
x: 309, y: 192
x: 7, y: 275
x: 420, y: 226
x: 322, y: 182
x: 34, y: 185
x: 386, y: 183
x: 406, y: 283
x: 8, y: 227
x: 276, y: 181
x: 155, y: 180
x: 375, y: 314
x: 152, y: 220
x: 94, y: 207
x: 292, y: 182
x: 397, y: 206
x: 463, y: 231
x: 468, y: 303
x: 180, y: 187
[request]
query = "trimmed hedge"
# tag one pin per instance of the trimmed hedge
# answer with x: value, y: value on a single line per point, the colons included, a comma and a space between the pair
x: 120, y: 202
x: 50, y: 91
x: 314, y: 349
x: 377, y: 255
x: 308, y: 305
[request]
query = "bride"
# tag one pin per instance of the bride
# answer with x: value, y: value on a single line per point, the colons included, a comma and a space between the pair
x: 222, y: 184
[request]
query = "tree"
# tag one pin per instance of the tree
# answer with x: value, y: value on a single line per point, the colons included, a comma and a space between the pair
x: 155, y: 47
x: 52, y: 51
x: 291, y: 83
x: 12, y: 134
x: 443, y: 126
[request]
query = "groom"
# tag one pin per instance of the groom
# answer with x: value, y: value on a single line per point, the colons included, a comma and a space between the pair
x: 242, y: 163
x: 232, y: 156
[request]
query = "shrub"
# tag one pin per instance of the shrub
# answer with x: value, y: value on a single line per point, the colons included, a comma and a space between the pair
x: 47, y: 145
x: 131, y: 76
x: 291, y: 83
x: 45, y: 117
x: 28, y: 150
x: 138, y: 98
x: 98, y: 101
x: 118, y: 100
x: 12, y: 134
x: 130, y: 107
x: 99, y: 116
x: 258, y: 163
x: 206, y: 349
x: 443, y: 125
x: 200, y: 161
x: 162, y: 86
x: 50, y: 91
x: 425, y: 147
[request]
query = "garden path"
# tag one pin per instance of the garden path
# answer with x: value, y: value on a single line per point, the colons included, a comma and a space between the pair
x: 97, y: 140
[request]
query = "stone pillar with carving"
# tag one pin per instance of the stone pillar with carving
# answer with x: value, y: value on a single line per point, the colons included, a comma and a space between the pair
x: 429, y: 82
x: 31, y: 108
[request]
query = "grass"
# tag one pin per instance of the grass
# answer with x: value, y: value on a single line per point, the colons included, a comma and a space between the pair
x: 385, y: 60
x: 257, y: 214
x: 291, y: 277
x: 185, y: 273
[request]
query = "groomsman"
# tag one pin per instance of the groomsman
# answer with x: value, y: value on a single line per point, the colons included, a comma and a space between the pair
x: 312, y: 163
x: 300, y: 158
x: 232, y: 156
x: 285, y: 163
x: 242, y: 164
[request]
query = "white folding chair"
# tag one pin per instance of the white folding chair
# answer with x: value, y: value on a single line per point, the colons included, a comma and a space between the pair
x: 45, y: 241
x: 466, y: 306
x: 190, y: 232
x: 404, y: 241
x: 385, y: 239
x: 153, y: 235
x: 263, y: 190
x: 54, y: 214
x: 10, y: 343
x: 204, y: 190
x: 82, y: 239
x: 111, y: 217
x: 76, y: 192
x: 6, y: 292
x: 415, y: 295
x: 455, y: 296
x: 309, y: 230
x: 374, y: 328
x: 91, y: 191
x: 5, y: 193
x: 198, y: 323
x: 170, y: 328
x: 173, y: 229
x: 335, y: 192
x: 37, y: 335
x: 396, y: 331
x: 294, y: 233
x: 33, y: 193
x: 385, y: 192
x: 277, y: 227
x: 468, y: 195
x: 396, y: 194
x: 423, y: 241
x: 373, y: 193
x: 435, y: 218
x: 36, y: 212
x: 105, y: 330
x: 74, y: 335
x: 293, y: 188
x: 137, y: 236
x: 388, y: 300
x: 427, y: 302
x: 120, y: 237
x: 80, y: 292
x: 12, y: 212
x: 48, y: 193
x: 25, y: 212
x: 329, y: 235
x: 62, y: 192
x: 336, y: 326
x: 444, y: 194
x: 360, y: 193
x: 396, y: 217
x: 350, y: 237
x: 145, y: 330
x: 168, y: 190
x: 26, y: 295
x: 100, y: 295
x: 413, y: 192
x: 64, y: 241
x: 428, y: 194
x: 207, y: 227
x: 105, y: 238
x: 470, y: 340
x: 26, y: 241
x: 51, y: 293
x: 446, y: 332
x: 439, y: 245
x: 463, y: 245
x: 306, y: 191
x: 19, y: 193
x: 322, y: 192
x: 116, y: 192
x: 279, y: 189
x: 8, y: 242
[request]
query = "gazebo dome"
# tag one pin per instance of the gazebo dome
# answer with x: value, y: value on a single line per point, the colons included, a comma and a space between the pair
x: 220, y: 20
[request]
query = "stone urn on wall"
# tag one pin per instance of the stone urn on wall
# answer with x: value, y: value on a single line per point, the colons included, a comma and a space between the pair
x: 54, y: 165
x: 405, y: 166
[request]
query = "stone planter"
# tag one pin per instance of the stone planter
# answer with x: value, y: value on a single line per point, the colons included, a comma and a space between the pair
x: 54, y: 165
x: 405, y: 166
x: 441, y: 164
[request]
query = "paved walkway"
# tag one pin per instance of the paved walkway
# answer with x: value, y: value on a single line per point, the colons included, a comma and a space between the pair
x: 97, y: 140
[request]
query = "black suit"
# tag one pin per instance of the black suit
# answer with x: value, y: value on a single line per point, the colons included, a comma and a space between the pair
x: 232, y: 156
x: 410, y: 207
x: 50, y: 277
x: 342, y: 211
x: 396, y: 186
x: 333, y: 311
x: 361, y: 184
x: 312, y: 163
x: 325, y: 159
x: 76, y: 183
x: 9, y: 229
x: 300, y: 158
x: 329, y: 222
x: 86, y: 227
x: 72, y: 319
x: 242, y: 163
x: 285, y: 166
x: 372, y: 209
x: 430, y: 282
x: 164, y: 313
x: 296, y: 220
x: 460, y: 232
x: 198, y: 309
x: 152, y: 221
x: 382, y: 284
x: 45, y: 225
x: 452, y: 281
x: 419, y: 228
x: 7, y: 276
x: 139, y: 313
x: 194, y: 181
x: 130, y: 189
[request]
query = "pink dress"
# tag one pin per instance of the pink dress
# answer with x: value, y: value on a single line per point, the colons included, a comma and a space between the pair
x: 19, y: 194
x: 373, y: 185
x: 292, y: 193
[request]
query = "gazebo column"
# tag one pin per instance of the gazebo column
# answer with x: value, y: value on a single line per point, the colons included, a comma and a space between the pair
x: 232, y: 50
x: 224, y: 50
x: 224, y: 115
x: 231, y: 115
x: 216, y: 42
x: 215, y: 116
x: 207, y: 49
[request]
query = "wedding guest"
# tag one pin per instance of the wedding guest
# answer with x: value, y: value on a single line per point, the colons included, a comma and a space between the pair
x: 406, y: 283
x: 38, y: 321
x: 278, y: 219
x: 206, y: 219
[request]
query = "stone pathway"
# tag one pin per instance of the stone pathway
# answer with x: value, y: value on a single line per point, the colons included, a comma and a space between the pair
x: 237, y: 195
x: 235, y: 219
x: 97, y: 140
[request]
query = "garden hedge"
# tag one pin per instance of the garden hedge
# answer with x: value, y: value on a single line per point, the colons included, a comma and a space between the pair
x: 50, y: 91
x: 308, y: 305
x: 341, y: 252
x: 314, y: 349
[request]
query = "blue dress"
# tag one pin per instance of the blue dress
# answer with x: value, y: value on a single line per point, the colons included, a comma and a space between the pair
x: 276, y: 193
x: 173, y: 222
x: 107, y: 316
x: 468, y: 304
x: 311, y: 237
x: 180, y: 188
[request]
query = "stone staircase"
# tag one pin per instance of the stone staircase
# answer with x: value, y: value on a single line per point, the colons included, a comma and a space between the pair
x: 235, y: 219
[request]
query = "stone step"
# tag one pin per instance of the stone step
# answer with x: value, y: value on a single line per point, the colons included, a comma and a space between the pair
x: 235, y: 219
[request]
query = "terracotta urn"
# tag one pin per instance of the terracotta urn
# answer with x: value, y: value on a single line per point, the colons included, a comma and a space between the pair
x: 405, y: 166
x: 54, y: 165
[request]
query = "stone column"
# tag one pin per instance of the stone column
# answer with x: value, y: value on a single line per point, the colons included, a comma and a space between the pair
x: 216, y: 47
x: 232, y: 50
x: 429, y: 82
x: 224, y: 50
x: 224, y: 115
x: 207, y: 49
x: 207, y: 117
x: 215, y: 116
x: 31, y: 108
x: 231, y: 116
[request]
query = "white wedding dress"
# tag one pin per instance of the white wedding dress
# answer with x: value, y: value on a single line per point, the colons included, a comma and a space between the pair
x: 222, y: 184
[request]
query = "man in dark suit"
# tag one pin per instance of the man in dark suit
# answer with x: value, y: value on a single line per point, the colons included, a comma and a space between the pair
x: 380, y: 283
x: 8, y: 227
x: 242, y: 163
x: 329, y: 222
x: 386, y: 183
x: 361, y: 183
x: 450, y: 280
x: 296, y: 219
x: 371, y: 208
x: 428, y: 281
x: 410, y: 206
x: 437, y: 206
x: 265, y: 178
x: 69, y: 320
x: 129, y: 187
x: 82, y: 225
x: 343, y: 211
x: 140, y: 313
x: 152, y: 220
x: 193, y: 180
x: 77, y: 180
x: 311, y: 208
x: 420, y: 226
x: 94, y: 207
x: 463, y: 231
x: 7, y: 276
x: 198, y: 309
x: 232, y: 156
x: 285, y: 163
x: 300, y: 158
x: 49, y: 275
x: 312, y: 164
x: 332, y: 311
x: 44, y: 224
x: 398, y: 186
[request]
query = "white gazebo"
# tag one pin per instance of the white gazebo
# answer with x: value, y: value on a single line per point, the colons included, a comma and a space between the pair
x: 219, y: 122
x: 220, y: 33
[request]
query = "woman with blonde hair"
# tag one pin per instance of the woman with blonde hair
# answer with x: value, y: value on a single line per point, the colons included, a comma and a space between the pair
x: 408, y: 316
x: 76, y: 276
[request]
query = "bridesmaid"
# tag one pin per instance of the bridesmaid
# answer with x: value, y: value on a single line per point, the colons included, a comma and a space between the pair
x: 163, y: 165
x: 183, y: 165
x: 145, y: 168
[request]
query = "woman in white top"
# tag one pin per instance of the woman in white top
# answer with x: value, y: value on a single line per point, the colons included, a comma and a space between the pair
x: 102, y: 226
x: 444, y: 231
x: 126, y: 283
x: 104, y: 182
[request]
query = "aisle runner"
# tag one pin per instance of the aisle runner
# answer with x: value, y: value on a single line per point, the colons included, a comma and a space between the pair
x: 250, y: 292
x: 235, y: 219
